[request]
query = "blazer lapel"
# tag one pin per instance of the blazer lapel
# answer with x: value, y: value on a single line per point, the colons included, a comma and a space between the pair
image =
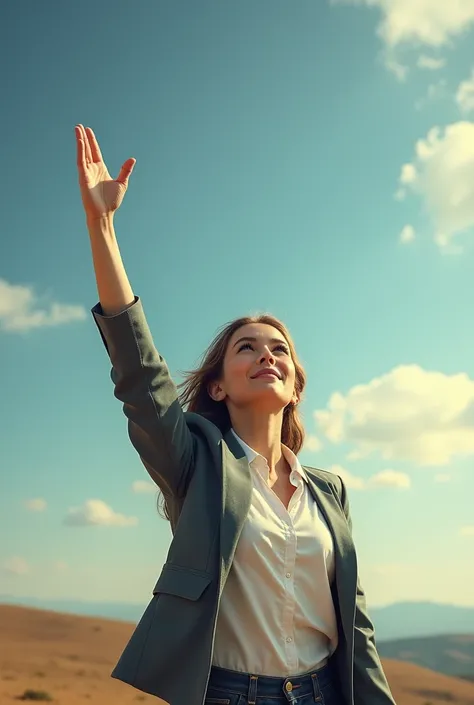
x: 344, y: 551
x: 236, y: 498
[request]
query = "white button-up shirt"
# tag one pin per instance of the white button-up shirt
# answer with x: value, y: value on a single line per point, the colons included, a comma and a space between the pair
x: 276, y: 615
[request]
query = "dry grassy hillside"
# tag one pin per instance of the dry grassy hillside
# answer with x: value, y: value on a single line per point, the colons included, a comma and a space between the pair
x: 452, y: 654
x: 70, y: 658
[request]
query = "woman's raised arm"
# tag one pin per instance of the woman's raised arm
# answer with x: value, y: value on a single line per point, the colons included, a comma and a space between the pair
x: 157, y: 426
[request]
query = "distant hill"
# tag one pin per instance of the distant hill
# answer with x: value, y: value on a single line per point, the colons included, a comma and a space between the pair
x: 450, y: 654
x: 415, y: 619
x: 122, y: 611
x: 70, y: 658
x: 398, y: 621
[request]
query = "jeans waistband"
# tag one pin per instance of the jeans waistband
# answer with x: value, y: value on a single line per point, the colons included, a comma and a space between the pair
x: 253, y: 686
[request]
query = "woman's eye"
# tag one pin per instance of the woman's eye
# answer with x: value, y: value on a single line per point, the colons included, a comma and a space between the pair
x: 249, y: 346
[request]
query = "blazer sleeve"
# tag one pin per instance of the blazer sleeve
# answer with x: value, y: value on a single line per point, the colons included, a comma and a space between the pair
x: 156, y: 422
x: 370, y: 683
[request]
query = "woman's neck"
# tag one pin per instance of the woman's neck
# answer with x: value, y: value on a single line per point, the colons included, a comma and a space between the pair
x: 262, y: 433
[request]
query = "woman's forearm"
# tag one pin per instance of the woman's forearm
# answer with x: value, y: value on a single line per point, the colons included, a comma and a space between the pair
x: 113, y: 286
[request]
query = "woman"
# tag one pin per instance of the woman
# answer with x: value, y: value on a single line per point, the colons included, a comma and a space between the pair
x: 258, y: 601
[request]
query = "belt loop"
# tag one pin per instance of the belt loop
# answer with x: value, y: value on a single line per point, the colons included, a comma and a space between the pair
x: 316, y: 688
x: 252, y: 696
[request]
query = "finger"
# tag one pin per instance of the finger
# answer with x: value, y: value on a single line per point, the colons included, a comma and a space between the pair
x: 87, y: 145
x: 80, y: 150
x: 95, y: 149
x: 126, y: 170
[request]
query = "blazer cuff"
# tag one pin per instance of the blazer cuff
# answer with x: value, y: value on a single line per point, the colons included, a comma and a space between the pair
x: 119, y: 331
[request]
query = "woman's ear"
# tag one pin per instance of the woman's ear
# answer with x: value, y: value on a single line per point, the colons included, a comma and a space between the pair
x: 216, y: 392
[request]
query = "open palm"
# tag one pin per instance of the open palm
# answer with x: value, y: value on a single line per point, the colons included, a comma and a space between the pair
x: 101, y: 195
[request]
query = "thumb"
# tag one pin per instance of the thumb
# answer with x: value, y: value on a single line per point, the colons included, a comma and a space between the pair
x: 126, y: 170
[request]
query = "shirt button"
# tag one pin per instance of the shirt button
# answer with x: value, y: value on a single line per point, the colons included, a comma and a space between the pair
x: 289, y: 639
x: 288, y: 575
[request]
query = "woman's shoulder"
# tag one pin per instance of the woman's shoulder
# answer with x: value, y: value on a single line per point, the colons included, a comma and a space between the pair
x: 201, y: 426
x: 206, y: 426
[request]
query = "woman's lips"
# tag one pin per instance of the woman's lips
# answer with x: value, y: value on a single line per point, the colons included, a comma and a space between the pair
x: 267, y: 373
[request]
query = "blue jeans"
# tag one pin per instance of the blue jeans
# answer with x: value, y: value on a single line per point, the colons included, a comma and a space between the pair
x: 233, y: 688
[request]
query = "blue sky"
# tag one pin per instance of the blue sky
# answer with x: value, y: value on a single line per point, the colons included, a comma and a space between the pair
x: 312, y: 159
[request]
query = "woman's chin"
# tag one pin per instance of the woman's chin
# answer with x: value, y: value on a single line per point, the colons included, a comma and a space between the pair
x: 268, y: 400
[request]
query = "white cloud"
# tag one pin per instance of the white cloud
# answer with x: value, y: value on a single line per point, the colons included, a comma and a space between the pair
x: 407, y: 234
x: 351, y: 481
x: 22, y: 310
x: 465, y: 95
x: 467, y: 530
x: 384, y: 478
x: 431, y: 23
x: 144, y: 487
x: 410, y: 24
x: 95, y: 512
x: 16, y: 566
x: 425, y: 417
x: 35, y: 505
x: 391, y: 478
x: 430, y: 63
x: 312, y: 443
x: 442, y: 176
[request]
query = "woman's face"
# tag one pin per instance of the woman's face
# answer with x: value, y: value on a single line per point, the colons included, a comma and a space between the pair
x: 258, y: 370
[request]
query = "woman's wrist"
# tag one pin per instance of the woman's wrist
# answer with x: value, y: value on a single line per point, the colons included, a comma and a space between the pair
x: 101, y: 225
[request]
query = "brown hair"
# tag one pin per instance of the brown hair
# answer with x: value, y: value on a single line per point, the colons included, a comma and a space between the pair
x: 194, y: 395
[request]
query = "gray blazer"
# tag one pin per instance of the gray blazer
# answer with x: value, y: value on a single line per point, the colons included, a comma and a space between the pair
x: 206, y: 478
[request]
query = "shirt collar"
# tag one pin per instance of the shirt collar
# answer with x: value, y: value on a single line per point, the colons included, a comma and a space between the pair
x: 290, y: 457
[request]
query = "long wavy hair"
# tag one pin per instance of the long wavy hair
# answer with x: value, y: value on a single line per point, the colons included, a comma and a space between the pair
x: 194, y: 390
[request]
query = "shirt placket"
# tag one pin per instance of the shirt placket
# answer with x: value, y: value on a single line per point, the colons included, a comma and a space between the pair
x: 288, y: 623
x: 289, y: 562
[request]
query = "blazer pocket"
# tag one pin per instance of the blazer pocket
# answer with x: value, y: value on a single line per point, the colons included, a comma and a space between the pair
x: 182, y: 582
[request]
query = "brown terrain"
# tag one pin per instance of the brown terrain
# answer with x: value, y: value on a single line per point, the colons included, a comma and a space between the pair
x: 70, y: 659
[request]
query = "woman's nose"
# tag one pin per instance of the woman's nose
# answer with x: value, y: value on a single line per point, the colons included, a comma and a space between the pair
x: 267, y: 356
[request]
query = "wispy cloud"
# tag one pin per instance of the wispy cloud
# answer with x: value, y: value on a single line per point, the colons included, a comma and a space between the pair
x: 312, y: 443
x: 144, y: 487
x: 22, y: 310
x: 95, y: 512
x: 35, y: 505
x: 408, y: 25
x: 16, y: 566
x: 391, y: 478
x: 384, y: 478
x: 465, y: 95
x: 407, y: 234
x: 430, y: 63
x: 352, y: 482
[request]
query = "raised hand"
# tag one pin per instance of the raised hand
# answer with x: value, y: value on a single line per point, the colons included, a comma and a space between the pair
x: 101, y: 195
